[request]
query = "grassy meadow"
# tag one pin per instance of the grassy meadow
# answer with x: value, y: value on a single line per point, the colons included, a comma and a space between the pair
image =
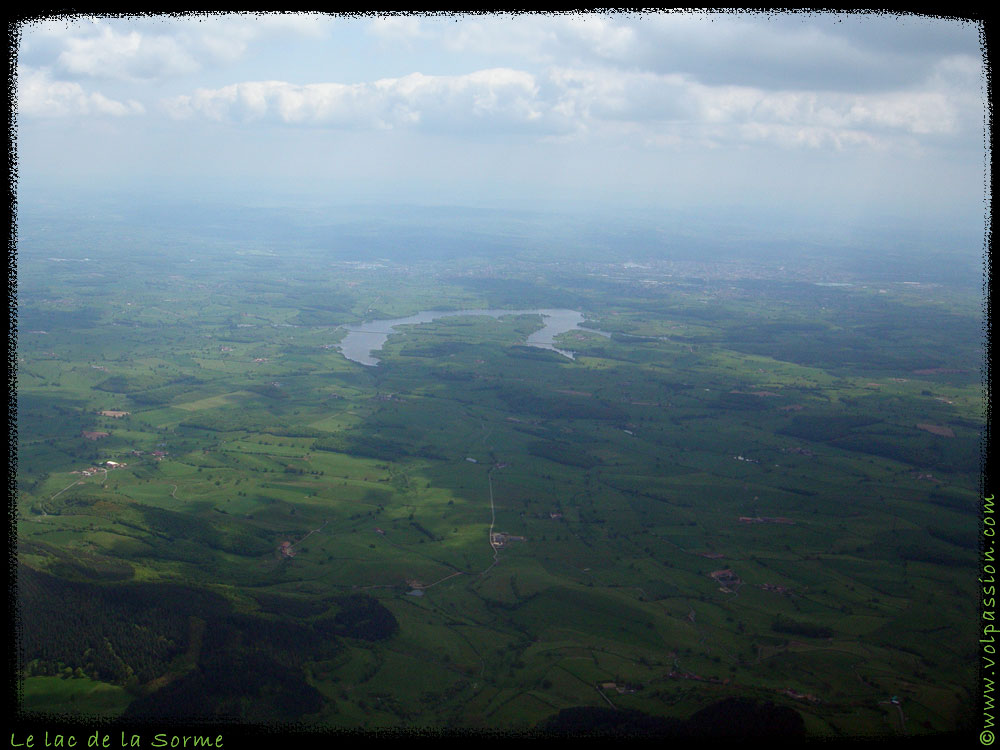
x: 815, y: 448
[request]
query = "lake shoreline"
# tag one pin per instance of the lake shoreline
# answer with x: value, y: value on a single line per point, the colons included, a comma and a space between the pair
x: 363, y: 341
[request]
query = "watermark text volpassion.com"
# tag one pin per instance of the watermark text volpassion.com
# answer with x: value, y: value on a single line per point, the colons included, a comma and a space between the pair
x: 990, y: 631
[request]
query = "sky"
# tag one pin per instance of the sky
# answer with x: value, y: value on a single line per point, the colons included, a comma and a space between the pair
x: 844, y: 115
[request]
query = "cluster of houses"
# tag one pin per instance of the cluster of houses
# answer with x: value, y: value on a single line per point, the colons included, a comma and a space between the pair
x: 158, y: 455
x: 500, y: 539
x: 728, y: 581
x: 106, y: 466
x: 416, y: 587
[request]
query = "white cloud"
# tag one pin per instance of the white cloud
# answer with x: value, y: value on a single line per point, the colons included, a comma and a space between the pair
x: 912, y: 112
x: 39, y: 96
x: 131, y: 55
x: 144, y: 49
x: 485, y: 99
x: 920, y: 113
x: 605, y: 37
x: 673, y: 103
x: 669, y: 108
x: 573, y: 38
x: 607, y: 94
x: 804, y: 52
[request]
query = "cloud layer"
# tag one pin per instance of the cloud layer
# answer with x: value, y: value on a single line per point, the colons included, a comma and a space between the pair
x: 667, y: 78
x: 40, y: 96
x: 574, y: 101
x: 500, y: 98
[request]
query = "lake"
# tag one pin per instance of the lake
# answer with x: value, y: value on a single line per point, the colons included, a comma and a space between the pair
x: 362, y: 341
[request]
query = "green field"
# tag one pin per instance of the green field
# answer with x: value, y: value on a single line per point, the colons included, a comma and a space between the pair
x: 819, y: 443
